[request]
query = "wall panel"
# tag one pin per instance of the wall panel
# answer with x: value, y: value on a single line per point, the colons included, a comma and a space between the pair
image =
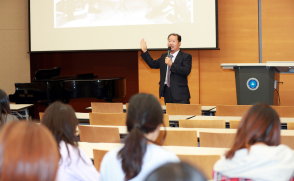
x: 238, y: 42
x: 14, y: 44
x: 278, y: 41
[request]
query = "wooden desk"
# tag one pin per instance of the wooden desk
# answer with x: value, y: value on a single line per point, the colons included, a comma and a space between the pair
x: 85, y: 116
x: 123, y: 130
x: 228, y: 118
x: 21, y: 107
x: 203, y: 108
x: 178, y: 150
x: 125, y: 107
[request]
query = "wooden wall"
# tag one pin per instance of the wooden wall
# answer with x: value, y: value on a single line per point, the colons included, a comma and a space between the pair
x: 238, y: 42
x: 278, y: 41
x: 14, y: 44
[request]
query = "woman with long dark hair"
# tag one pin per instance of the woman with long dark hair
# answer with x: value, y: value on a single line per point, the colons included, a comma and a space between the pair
x: 74, y: 164
x: 139, y: 156
x: 257, y: 153
x: 6, y: 115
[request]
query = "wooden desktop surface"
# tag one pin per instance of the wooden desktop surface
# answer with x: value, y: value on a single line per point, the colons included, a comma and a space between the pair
x: 123, y: 130
x: 171, y: 117
x: 178, y: 150
x: 228, y: 118
x: 203, y: 108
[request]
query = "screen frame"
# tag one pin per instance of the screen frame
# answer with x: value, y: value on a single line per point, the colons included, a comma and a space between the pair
x: 105, y: 50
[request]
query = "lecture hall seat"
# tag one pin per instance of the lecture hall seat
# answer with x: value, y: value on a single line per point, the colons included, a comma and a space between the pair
x: 183, y: 109
x: 103, y: 107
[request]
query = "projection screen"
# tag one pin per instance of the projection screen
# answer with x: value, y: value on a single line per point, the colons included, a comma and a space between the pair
x: 75, y: 25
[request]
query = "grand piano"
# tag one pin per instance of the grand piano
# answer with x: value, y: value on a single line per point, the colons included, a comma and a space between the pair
x: 49, y: 86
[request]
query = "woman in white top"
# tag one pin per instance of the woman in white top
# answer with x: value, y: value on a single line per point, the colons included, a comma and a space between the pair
x: 257, y: 153
x: 74, y: 163
x: 139, y: 156
x: 5, y: 114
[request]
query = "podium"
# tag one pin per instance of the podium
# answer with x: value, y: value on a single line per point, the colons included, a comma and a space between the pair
x: 258, y: 82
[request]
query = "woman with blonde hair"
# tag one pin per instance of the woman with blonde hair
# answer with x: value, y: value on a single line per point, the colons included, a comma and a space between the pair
x: 256, y: 153
x: 28, y: 152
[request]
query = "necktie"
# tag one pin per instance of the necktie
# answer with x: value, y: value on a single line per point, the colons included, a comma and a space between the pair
x: 168, y: 74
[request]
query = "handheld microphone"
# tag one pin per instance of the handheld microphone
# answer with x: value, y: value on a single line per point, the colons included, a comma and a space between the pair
x: 168, y: 51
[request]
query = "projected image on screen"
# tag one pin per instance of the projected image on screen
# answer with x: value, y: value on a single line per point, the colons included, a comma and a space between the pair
x: 89, y: 13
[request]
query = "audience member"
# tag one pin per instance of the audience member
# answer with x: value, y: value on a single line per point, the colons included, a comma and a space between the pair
x: 139, y: 156
x: 28, y: 152
x: 74, y: 164
x: 256, y: 153
x: 176, y: 172
x: 5, y: 116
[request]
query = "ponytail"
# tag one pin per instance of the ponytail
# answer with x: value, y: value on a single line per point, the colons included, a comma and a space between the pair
x: 133, y: 152
x: 143, y: 117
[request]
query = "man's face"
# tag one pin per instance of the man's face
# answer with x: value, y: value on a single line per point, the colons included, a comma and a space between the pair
x: 173, y: 43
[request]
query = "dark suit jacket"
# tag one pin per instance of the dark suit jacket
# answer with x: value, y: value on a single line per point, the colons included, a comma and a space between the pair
x: 180, y: 70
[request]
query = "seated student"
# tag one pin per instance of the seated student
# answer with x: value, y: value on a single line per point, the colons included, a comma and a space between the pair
x: 176, y: 171
x: 28, y: 152
x: 256, y: 153
x: 139, y: 156
x: 5, y: 116
x: 74, y: 164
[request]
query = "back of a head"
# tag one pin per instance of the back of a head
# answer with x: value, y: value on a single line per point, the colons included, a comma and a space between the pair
x: 28, y: 151
x: 176, y: 172
x: 144, y: 111
x: 260, y: 123
x: 144, y: 116
x: 4, y: 105
x: 61, y: 120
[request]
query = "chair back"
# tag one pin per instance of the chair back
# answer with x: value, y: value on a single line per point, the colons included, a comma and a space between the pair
x: 204, y: 163
x: 94, y: 134
x: 183, y: 109
x: 187, y: 123
x: 127, y: 106
x: 165, y: 120
x: 231, y: 110
x: 288, y: 140
x: 290, y: 125
x: 112, y: 119
x: 41, y: 115
x: 98, y: 156
x: 284, y: 111
x: 234, y: 124
x: 178, y: 138
x: 216, y: 140
x: 103, y: 107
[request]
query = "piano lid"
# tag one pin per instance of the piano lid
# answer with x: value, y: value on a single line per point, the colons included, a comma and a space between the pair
x: 53, y: 75
x: 47, y: 73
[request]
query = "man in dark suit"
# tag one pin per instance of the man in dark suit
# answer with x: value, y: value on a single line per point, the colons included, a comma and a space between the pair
x: 174, y: 71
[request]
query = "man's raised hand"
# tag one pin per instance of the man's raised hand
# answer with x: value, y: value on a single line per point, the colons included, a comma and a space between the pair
x: 143, y: 45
